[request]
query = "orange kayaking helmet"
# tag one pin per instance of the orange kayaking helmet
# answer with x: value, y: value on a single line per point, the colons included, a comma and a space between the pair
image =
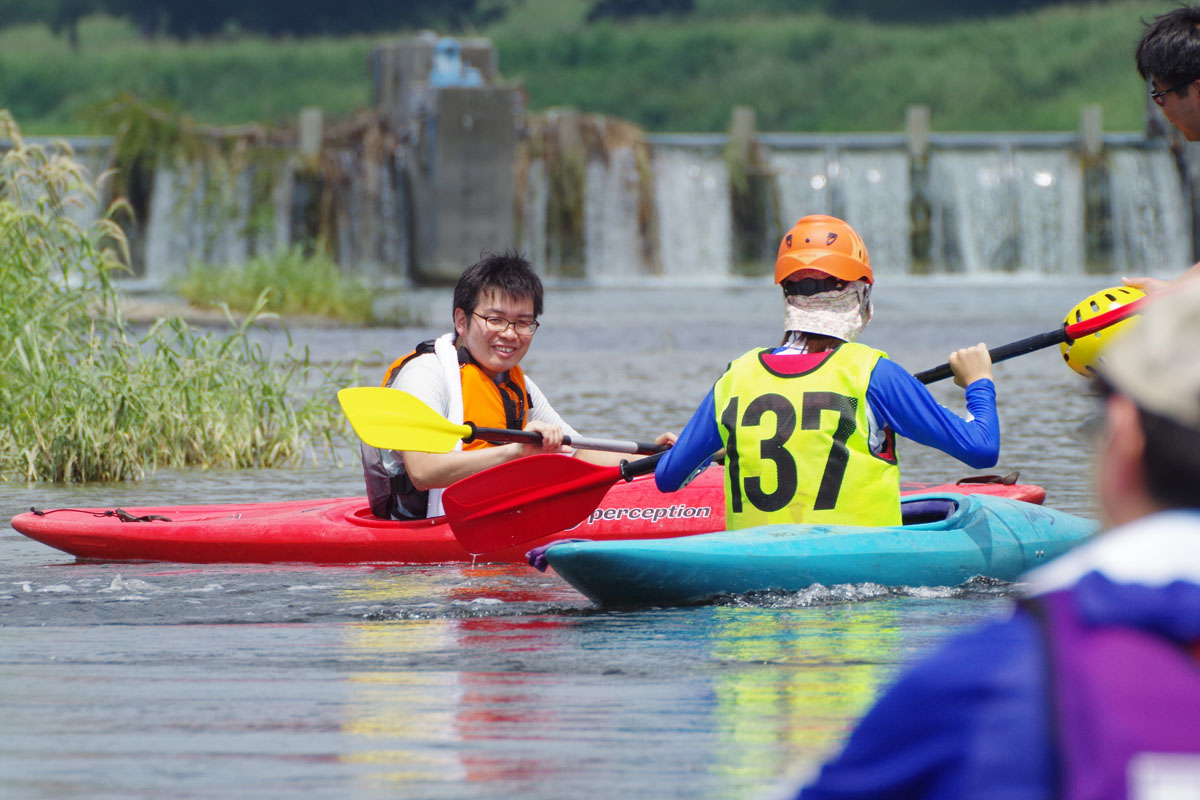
x: 823, y: 243
x: 1085, y: 354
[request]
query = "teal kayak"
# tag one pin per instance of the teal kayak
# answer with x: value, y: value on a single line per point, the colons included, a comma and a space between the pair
x: 945, y: 540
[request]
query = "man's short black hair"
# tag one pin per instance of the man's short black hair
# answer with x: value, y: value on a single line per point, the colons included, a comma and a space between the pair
x: 1171, y: 460
x: 1171, y: 457
x: 509, y: 273
x: 1169, y: 50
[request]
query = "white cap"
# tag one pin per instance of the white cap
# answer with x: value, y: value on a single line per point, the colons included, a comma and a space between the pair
x: 1157, y: 363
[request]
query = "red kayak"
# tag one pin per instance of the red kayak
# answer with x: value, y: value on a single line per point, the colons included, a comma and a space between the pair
x: 343, y: 530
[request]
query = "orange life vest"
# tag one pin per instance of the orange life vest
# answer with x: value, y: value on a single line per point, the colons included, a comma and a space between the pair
x: 486, y: 402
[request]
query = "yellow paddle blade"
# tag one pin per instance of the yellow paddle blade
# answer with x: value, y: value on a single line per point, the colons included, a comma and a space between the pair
x: 395, y: 420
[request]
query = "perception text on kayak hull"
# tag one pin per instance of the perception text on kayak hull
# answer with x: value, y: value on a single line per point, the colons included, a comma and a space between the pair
x: 652, y: 514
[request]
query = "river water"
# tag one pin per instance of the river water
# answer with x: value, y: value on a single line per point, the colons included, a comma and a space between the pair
x: 129, y: 680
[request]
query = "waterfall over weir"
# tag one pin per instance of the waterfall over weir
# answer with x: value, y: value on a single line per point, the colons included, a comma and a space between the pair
x: 1150, y: 220
x: 691, y: 196
x: 977, y: 205
x: 1007, y: 210
x: 627, y: 209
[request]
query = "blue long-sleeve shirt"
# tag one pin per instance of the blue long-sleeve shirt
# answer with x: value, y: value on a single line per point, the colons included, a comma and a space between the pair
x: 897, y: 400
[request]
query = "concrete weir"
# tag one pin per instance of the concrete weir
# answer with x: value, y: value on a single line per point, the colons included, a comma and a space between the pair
x: 448, y: 164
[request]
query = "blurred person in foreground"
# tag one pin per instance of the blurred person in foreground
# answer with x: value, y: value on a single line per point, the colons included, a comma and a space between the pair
x: 809, y: 426
x: 473, y: 373
x: 1168, y: 58
x: 1091, y: 689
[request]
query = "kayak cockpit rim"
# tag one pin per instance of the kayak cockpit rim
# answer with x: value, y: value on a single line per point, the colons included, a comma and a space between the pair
x: 928, y: 510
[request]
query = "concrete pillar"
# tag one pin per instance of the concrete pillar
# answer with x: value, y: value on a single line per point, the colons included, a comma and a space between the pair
x: 743, y: 126
x: 565, y: 156
x: 382, y: 64
x: 920, y: 210
x: 312, y: 133
x: 1097, y: 191
x: 917, y: 128
x: 1091, y: 130
x: 463, y: 138
x: 464, y: 181
x: 752, y: 200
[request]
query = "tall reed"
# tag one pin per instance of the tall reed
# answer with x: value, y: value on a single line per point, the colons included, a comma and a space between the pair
x: 83, y: 395
x: 291, y: 281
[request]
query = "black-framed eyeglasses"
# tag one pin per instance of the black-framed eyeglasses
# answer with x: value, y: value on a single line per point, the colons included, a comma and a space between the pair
x: 1158, y: 96
x: 524, y: 327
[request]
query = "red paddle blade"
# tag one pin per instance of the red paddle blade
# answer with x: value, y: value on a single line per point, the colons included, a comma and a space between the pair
x: 524, y: 500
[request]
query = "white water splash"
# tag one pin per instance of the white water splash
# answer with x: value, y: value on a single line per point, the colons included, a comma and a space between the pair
x: 136, y: 585
x: 479, y: 601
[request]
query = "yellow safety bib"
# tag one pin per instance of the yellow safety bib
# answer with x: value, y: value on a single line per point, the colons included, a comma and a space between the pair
x: 797, y: 443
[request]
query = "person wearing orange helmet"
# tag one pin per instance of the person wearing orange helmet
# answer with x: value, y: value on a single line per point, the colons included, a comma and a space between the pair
x: 808, y: 426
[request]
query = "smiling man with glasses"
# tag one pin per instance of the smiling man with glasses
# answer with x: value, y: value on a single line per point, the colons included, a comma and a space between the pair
x: 474, y: 374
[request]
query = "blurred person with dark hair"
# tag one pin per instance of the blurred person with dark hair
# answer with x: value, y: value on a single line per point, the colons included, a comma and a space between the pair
x: 1168, y: 58
x: 1091, y: 689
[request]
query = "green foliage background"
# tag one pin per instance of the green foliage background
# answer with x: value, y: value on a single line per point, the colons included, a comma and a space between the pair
x: 801, y: 69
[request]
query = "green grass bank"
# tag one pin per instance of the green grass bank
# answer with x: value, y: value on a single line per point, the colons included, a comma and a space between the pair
x: 801, y: 71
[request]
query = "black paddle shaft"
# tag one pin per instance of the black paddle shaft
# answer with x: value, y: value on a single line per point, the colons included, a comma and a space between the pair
x: 1003, y: 353
x: 643, y: 466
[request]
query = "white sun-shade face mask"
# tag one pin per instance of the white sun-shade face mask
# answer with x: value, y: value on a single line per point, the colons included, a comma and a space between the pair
x: 840, y: 312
